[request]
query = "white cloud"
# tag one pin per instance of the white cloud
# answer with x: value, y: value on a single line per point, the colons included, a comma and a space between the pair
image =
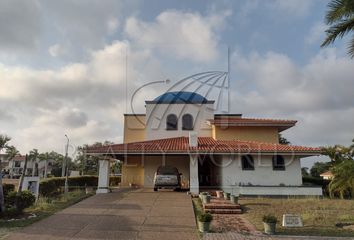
x: 84, y: 100
x: 316, y: 34
x: 112, y: 25
x: 317, y: 94
x: 184, y: 35
x: 20, y: 26
x: 57, y: 50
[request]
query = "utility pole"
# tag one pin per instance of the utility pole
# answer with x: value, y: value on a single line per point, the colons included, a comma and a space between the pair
x: 66, y: 187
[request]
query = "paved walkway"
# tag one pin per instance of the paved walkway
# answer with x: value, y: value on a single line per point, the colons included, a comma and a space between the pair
x: 139, y: 214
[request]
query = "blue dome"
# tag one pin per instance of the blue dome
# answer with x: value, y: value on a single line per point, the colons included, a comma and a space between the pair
x: 181, y: 97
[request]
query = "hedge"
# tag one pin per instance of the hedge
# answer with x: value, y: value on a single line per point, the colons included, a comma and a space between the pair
x: 315, y: 181
x: 53, y: 186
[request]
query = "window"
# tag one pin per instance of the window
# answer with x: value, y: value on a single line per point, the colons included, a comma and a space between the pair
x: 171, y: 122
x: 278, y: 163
x: 17, y: 164
x: 187, y: 122
x: 247, y: 162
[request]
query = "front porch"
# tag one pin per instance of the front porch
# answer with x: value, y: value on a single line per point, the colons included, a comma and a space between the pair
x: 197, y: 171
x: 207, y: 172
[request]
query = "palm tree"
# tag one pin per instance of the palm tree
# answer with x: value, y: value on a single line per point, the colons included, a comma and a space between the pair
x: 11, y: 152
x: 46, y: 157
x: 343, y: 181
x: 340, y: 17
x: 33, y: 155
x: 3, y: 145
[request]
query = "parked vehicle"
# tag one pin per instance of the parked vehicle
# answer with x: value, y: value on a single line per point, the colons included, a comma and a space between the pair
x: 167, y: 177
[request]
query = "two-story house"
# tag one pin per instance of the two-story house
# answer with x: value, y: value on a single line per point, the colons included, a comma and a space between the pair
x: 214, y: 151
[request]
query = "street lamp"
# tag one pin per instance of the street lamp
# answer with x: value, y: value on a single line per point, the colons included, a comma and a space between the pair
x: 66, y: 187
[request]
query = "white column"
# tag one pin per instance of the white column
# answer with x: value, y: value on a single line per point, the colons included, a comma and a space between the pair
x: 193, y: 174
x: 103, y: 177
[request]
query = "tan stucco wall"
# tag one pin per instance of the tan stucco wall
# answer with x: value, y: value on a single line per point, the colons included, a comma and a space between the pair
x: 134, y: 128
x: 141, y: 170
x: 133, y: 171
x: 151, y: 164
x: 263, y: 134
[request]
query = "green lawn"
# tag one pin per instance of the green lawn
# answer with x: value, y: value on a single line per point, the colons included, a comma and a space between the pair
x: 44, y: 207
x: 319, y: 215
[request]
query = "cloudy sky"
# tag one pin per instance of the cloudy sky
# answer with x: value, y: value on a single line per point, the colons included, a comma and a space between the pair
x: 71, y: 67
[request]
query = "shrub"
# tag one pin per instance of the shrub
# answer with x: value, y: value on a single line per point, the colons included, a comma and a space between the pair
x: 114, y: 180
x: 10, y: 212
x: 21, y: 201
x: 269, y: 218
x: 53, y: 186
x: 205, y: 217
x: 8, y: 188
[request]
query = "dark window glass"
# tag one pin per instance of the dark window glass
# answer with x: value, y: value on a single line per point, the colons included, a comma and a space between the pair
x: 247, y: 162
x: 166, y: 170
x: 187, y: 122
x: 278, y: 163
x: 171, y: 122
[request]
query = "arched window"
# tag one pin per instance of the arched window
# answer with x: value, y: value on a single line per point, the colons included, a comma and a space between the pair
x: 171, y: 122
x: 278, y: 162
x: 187, y: 122
x: 247, y: 162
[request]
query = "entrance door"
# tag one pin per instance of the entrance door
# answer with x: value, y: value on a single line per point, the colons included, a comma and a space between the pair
x: 208, y: 171
x: 205, y: 171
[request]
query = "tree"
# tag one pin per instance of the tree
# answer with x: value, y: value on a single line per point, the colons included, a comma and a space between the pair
x: 283, y: 140
x: 342, y: 169
x: 340, y: 18
x: 305, y: 172
x: 343, y: 181
x: 4, y: 140
x: 19, y: 190
x: 57, y: 164
x: 319, y: 167
x: 46, y: 157
x: 33, y: 156
x: 87, y: 164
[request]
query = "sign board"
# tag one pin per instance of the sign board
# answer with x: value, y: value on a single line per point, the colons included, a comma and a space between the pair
x: 31, y: 184
x: 292, y: 220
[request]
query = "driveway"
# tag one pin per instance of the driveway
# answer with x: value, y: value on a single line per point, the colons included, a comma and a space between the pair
x: 137, y: 214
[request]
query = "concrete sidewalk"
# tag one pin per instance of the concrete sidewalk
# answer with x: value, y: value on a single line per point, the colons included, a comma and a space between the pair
x: 138, y: 214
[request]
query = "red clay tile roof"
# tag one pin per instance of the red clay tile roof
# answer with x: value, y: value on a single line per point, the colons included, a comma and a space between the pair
x: 16, y: 158
x: 239, y: 121
x: 328, y: 173
x: 205, y: 145
x: 19, y: 158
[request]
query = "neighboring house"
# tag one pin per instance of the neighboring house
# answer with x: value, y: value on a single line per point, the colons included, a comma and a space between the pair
x: 14, y: 167
x: 212, y: 151
x: 327, y: 175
